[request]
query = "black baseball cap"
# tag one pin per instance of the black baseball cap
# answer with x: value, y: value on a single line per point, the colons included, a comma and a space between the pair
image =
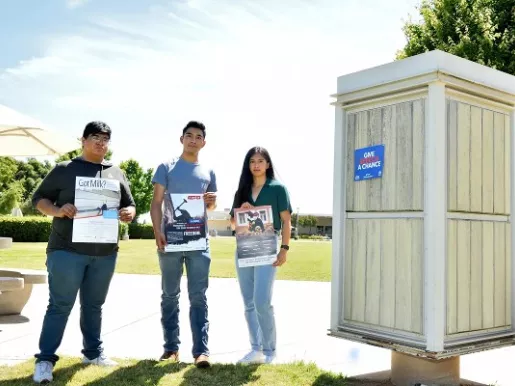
x: 96, y: 127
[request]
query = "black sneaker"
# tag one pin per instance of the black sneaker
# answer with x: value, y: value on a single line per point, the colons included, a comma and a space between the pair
x: 172, y: 356
x: 202, y: 361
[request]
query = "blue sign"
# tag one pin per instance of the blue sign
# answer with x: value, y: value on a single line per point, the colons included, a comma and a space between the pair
x: 368, y: 162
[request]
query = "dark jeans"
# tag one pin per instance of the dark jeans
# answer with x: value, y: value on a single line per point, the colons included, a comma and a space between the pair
x: 197, y: 268
x: 67, y: 273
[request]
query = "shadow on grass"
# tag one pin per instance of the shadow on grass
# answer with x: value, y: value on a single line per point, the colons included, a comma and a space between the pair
x: 145, y: 372
x: 61, y: 376
x: 331, y: 380
x: 220, y: 374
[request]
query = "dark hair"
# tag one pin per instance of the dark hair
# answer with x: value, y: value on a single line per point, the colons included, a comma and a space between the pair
x: 96, y: 127
x: 246, y: 178
x: 195, y: 125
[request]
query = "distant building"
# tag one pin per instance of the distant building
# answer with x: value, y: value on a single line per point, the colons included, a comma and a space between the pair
x: 221, y: 222
x: 324, y: 225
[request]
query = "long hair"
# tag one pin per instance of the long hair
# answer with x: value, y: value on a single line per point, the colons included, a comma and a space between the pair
x: 246, y: 178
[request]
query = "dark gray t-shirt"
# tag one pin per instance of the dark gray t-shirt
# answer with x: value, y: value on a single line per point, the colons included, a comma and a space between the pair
x: 180, y: 176
x: 59, y: 187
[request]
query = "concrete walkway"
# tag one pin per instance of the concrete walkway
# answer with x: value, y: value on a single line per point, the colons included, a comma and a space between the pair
x: 132, y: 328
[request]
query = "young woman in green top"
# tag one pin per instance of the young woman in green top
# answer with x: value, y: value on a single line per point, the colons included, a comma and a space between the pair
x: 258, y: 186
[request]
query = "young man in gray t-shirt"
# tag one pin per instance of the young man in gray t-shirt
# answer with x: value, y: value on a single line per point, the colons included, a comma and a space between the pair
x: 184, y: 175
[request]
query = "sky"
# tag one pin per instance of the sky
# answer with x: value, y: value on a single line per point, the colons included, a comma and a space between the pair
x: 257, y: 72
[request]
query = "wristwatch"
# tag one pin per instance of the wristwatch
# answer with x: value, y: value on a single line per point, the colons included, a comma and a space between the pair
x: 285, y: 247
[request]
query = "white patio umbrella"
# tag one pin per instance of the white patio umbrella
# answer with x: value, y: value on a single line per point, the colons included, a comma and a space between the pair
x: 22, y: 136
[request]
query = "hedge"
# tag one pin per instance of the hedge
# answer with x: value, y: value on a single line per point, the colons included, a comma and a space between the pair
x: 312, y: 237
x: 141, y: 231
x: 31, y: 229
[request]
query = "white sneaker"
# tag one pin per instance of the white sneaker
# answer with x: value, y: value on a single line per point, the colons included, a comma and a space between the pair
x: 101, y: 360
x: 269, y: 358
x: 43, y: 372
x: 253, y: 357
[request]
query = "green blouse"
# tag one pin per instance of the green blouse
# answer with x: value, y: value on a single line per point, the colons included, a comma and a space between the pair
x: 276, y: 195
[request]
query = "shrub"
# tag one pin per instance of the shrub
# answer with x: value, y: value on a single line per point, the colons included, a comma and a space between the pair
x: 141, y: 231
x: 121, y: 230
x: 32, y: 229
x: 26, y: 229
x: 312, y: 237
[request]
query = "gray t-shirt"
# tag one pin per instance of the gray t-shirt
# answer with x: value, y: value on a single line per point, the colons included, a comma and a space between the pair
x: 180, y: 176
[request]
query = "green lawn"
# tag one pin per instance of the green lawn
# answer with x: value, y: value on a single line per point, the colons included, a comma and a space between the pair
x: 70, y: 372
x: 307, y: 260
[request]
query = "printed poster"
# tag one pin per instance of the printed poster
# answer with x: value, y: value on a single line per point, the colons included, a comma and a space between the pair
x: 97, y: 201
x: 256, y: 240
x: 185, y: 223
x: 368, y: 163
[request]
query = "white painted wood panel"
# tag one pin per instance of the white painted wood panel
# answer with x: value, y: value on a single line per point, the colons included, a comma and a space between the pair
x: 373, y: 273
x: 478, y: 159
x: 400, y: 128
x: 452, y: 153
x: 476, y: 167
x: 499, y: 274
x: 507, y: 163
x: 476, y: 298
x: 418, y: 153
x: 487, y: 188
x: 499, y: 160
x: 389, y: 135
x: 488, y: 275
x: 463, y: 169
x: 359, y: 263
x: 478, y: 285
x: 417, y: 250
x: 463, y: 271
x: 351, y: 140
x: 509, y: 289
x: 404, y: 154
x: 403, y: 276
x: 452, y: 278
x: 347, y: 280
x: 384, y: 273
x: 361, y: 187
x: 388, y: 267
x: 374, y: 137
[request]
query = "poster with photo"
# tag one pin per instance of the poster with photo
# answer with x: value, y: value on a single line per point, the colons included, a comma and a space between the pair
x: 185, y: 223
x: 97, y: 201
x: 256, y: 239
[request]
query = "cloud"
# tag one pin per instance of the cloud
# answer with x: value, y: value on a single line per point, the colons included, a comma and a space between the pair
x: 255, y: 73
x: 75, y: 3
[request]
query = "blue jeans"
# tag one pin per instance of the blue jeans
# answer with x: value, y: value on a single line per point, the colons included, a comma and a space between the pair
x: 256, y: 286
x: 68, y: 273
x: 197, y: 268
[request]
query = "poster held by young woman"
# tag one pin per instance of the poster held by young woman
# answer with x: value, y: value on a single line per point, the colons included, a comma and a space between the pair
x: 256, y: 239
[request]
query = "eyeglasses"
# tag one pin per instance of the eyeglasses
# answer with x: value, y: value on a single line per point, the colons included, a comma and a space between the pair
x: 98, y: 139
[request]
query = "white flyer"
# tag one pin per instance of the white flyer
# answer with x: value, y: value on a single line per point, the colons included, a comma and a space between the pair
x: 97, y: 201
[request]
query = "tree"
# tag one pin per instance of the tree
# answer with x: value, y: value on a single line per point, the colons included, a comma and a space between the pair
x: 18, y: 179
x: 11, y: 197
x: 141, y: 185
x: 482, y: 31
x: 30, y: 174
x: 77, y: 152
x: 8, y: 168
x: 308, y: 221
x: 293, y: 219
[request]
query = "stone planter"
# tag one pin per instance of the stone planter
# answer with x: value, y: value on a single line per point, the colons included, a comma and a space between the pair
x: 16, y: 288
